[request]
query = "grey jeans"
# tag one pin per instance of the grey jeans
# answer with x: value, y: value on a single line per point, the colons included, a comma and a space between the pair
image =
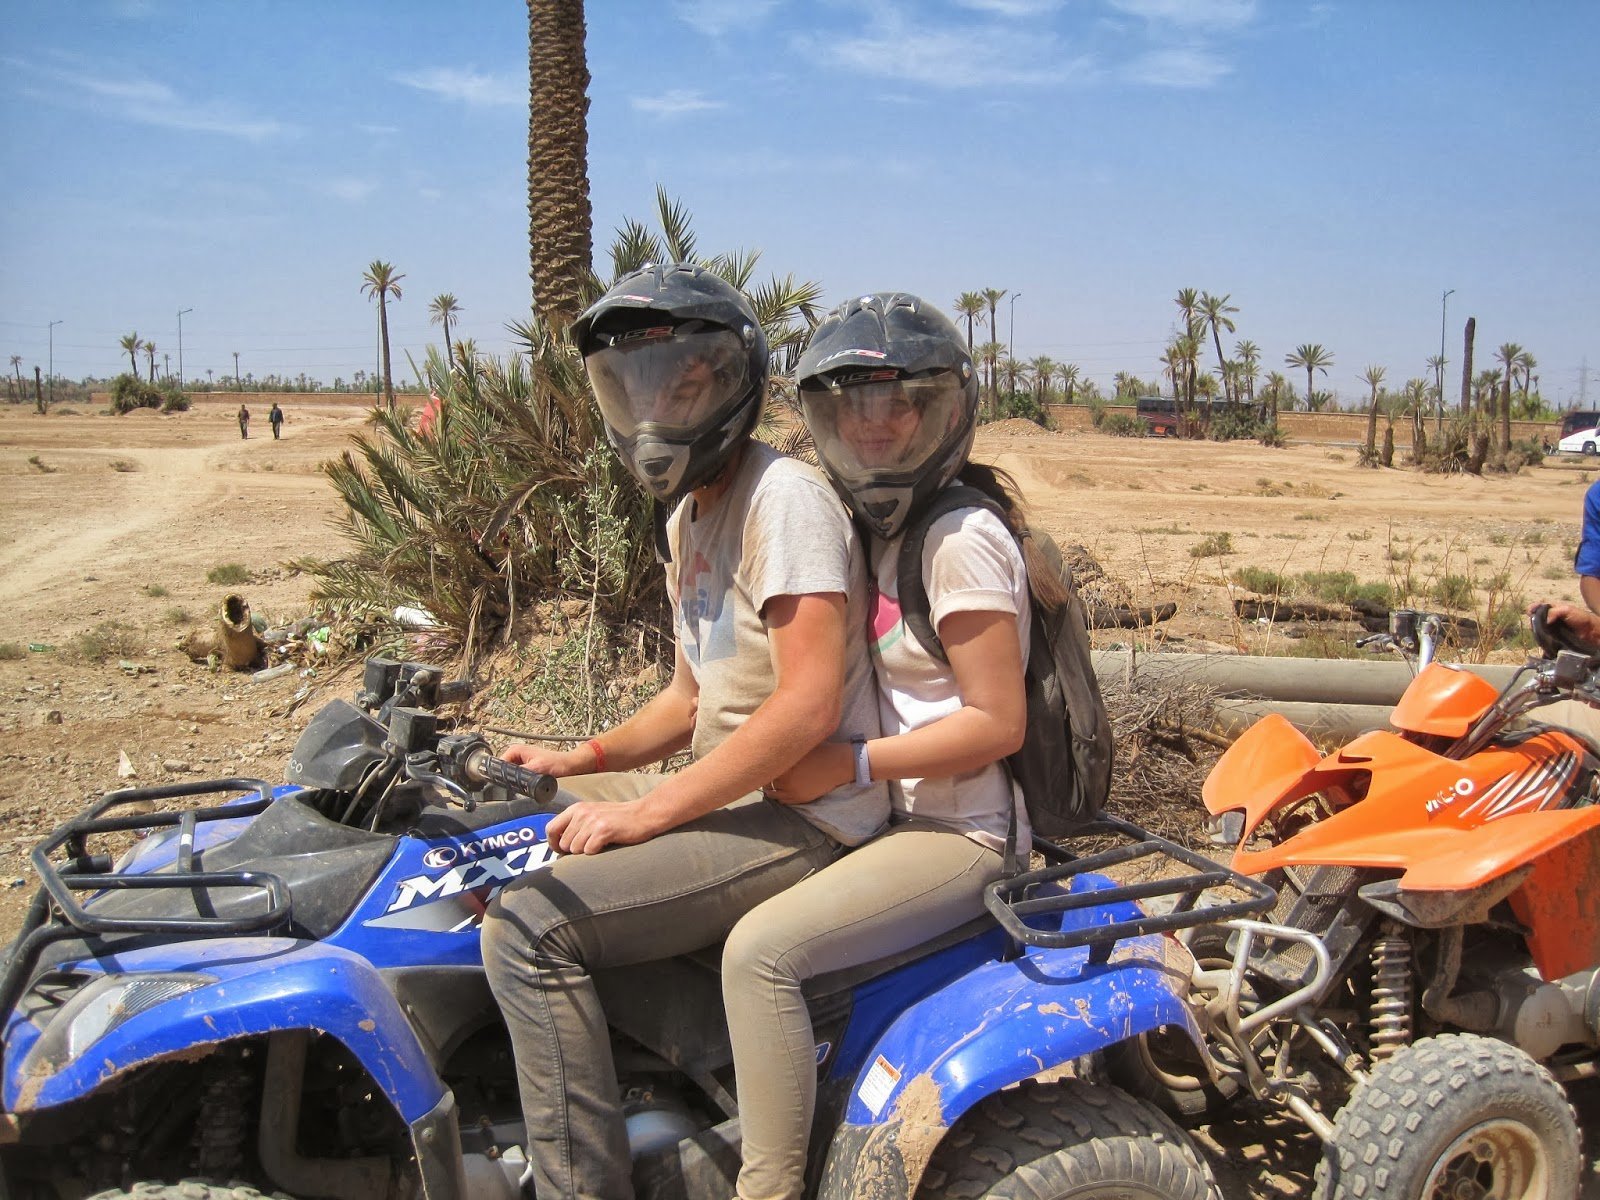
x: 903, y: 887
x: 545, y: 933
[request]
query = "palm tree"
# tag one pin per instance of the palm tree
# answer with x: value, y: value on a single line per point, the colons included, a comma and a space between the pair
x: 16, y: 368
x: 1214, y: 312
x: 1125, y: 383
x: 1416, y: 394
x: 379, y: 283
x: 1507, y: 356
x: 1277, y: 387
x: 1069, y: 379
x: 1313, y: 358
x: 1372, y: 377
x: 440, y: 309
x: 1526, y: 362
x: 150, y: 358
x: 560, y: 220
x: 1043, y: 370
x: 1249, y: 362
x: 1436, y: 364
x: 970, y: 306
x: 1173, y: 362
x: 131, y: 343
x: 991, y: 297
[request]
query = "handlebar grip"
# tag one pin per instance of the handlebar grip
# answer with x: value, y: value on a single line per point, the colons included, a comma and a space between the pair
x: 517, y: 779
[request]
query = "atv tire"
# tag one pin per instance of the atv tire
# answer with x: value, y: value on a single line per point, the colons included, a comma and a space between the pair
x: 1066, y: 1140
x: 189, y: 1189
x: 1163, y: 1066
x: 1454, y: 1115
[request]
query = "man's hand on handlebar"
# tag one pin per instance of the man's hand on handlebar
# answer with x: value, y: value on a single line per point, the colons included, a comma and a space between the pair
x: 546, y: 761
x: 1583, y: 624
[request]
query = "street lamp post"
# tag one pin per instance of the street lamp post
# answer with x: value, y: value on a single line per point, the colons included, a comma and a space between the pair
x: 53, y: 325
x: 181, y: 311
x: 1444, y: 307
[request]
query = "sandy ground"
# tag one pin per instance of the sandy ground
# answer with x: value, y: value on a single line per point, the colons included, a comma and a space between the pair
x: 107, y: 519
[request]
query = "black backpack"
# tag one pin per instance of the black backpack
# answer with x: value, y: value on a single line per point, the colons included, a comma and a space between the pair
x: 1064, y: 766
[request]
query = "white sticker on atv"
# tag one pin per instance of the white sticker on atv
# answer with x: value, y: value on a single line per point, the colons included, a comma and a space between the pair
x: 878, y: 1086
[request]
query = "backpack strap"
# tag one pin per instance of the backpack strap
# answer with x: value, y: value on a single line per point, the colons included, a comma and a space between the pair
x: 914, y: 607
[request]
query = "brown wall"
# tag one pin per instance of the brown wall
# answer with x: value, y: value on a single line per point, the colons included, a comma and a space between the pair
x: 1313, y: 427
x: 286, y: 400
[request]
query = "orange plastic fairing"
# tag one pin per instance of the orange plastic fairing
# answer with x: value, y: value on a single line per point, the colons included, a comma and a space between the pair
x: 1557, y: 903
x: 1259, y: 769
x: 1442, y: 700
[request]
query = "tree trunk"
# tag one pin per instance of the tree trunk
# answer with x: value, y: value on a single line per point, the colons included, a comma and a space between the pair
x: 1387, y: 457
x: 38, y: 390
x: 1419, y: 434
x: 1466, y: 366
x: 1372, y: 428
x: 560, y: 220
x: 1505, y: 416
x: 383, y: 340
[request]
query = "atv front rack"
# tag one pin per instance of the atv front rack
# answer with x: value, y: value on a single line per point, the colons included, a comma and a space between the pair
x: 1010, y: 901
x: 55, y: 913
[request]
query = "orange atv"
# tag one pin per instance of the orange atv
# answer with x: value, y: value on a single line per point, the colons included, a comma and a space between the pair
x: 1435, y: 943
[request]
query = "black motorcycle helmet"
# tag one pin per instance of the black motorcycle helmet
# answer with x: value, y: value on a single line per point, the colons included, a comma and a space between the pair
x: 890, y: 396
x: 678, y: 363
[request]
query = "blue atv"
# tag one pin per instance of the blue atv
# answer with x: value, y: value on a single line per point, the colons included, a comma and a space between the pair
x: 282, y: 991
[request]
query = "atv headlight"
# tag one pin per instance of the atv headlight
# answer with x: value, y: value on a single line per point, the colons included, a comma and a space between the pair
x: 105, y: 1004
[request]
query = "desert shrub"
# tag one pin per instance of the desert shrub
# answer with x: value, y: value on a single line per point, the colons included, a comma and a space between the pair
x: 178, y: 616
x: 1272, y: 435
x: 1121, y: 424
x: 107, y: 640
x: 1342, y: 587
x: 1097, y: 412
x: 228, y: 574
x: 11, y: 651
x: 1020, y: 404
x: 154, y: 590
x: 1452, y: 453
x: 1258, y: 579
x: 38, y: 464
x: 1213, y: 545
x: 123, y: 466
x: 1453, y: 591
x: 1233, y: 424
x: 129, y: 392
x: 174, y: 401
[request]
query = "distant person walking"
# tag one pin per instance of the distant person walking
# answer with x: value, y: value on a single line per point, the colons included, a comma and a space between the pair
x: 244, y: 421
x: 276, y: 417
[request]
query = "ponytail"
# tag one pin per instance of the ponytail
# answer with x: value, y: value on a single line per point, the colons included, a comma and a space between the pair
x: 1043, y: 580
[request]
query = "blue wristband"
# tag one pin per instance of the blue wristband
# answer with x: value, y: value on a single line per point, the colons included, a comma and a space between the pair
x: 858, y: 748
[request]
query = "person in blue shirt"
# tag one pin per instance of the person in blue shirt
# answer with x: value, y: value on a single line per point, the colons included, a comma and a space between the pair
x: 1587, y: 560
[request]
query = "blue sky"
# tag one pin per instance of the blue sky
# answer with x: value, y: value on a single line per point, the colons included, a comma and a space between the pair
x: 1333, y: 166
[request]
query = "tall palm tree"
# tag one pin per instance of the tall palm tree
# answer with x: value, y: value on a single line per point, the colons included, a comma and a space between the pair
x: 1069, y: 379
x: 560, y: 220
x: 1507, y: 357
x: 1175, y: 368
x: 1416, y: 394
x: 1372, y: 377
x: 1526, y: 362
x: 970, y: 305
x: 1214, y: 312
x: 131, y: 343
x: 1436, y: 365
x: 1125, y: 384
x: 16, y: 369
x: 1313, y: 357
x: 379, y: 283
x: 992, y: 297
x: 1277, y: 387
x: 150, y: 358
x: 440, y: 309
x: 1250, y: 363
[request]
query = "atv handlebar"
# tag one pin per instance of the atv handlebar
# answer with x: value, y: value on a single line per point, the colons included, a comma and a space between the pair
x: 486, y: 768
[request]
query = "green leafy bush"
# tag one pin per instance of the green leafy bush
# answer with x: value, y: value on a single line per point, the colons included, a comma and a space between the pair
x: 228, y: 574
x: 1258, y: 579
x: 1121, y: 424
x: 1213, y: 545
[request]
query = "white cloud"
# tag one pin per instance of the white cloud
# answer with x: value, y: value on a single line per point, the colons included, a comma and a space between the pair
x: 1178, y: 67
x: 352, y: 191
x: 953, y: 57
x: 147, y: 101
x: 1012, y: 8
x: 717, y: 18
x: 1190, y: 14
x: 468, y: 86
x: 676, y: 103
x: 378, y: 130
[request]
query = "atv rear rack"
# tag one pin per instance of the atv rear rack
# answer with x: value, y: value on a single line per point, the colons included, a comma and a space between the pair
x: 1012, y: 900
x: 55, y: 913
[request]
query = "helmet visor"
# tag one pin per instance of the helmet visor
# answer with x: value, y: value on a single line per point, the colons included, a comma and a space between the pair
x: 872, y: 425
x: 672, y: 379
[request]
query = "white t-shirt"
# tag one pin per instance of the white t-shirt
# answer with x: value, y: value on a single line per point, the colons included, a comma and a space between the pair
x: 779, y: 530
x: 970, y: 563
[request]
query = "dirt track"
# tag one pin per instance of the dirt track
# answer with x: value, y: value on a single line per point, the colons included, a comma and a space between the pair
x: 84, y: 541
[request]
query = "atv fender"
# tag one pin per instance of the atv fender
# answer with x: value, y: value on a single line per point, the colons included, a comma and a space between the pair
x: 1267, y: 764
x: 997, y: 1025
x: 262, y: 986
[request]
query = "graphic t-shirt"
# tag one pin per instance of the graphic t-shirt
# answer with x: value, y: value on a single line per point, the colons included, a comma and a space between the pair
x: 779, y: 530
x: 970, y: 563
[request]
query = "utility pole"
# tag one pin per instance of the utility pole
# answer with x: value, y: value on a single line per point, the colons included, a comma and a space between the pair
x: 181, y: 311
x: 53, y: 325
x: 237, y: 386
x: 1011, y: 340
